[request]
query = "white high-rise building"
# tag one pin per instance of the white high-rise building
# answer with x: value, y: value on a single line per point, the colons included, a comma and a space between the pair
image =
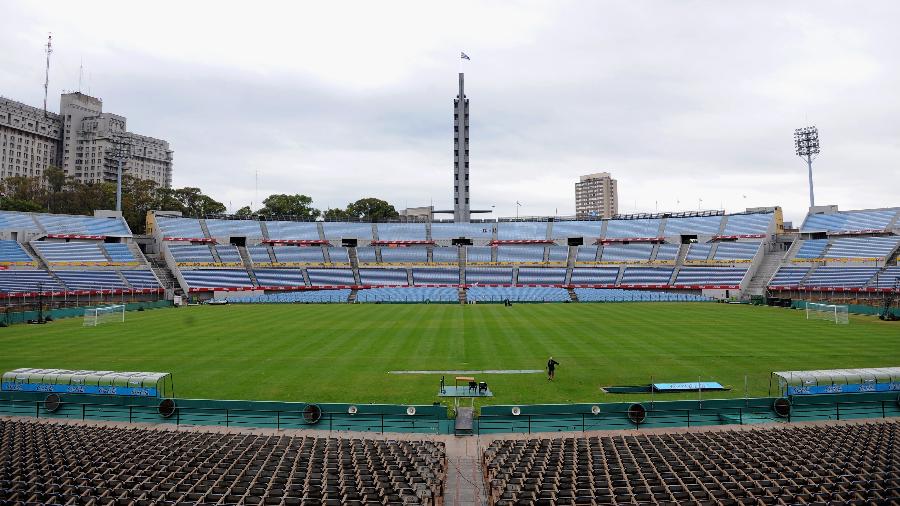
x: 596, y: 195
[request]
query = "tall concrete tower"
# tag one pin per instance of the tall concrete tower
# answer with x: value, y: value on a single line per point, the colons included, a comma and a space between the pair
x: 461, y: 154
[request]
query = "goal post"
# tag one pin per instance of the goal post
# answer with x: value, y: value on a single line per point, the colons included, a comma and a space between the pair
x: 107, y: 314
x: 830, y: 312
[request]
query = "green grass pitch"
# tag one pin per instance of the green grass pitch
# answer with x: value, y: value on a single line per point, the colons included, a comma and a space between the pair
x: 342, y: 353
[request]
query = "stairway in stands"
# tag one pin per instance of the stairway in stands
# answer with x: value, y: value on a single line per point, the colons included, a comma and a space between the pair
x: 351, y: 299
x: 165, y: 276
x: 572, y: 295
x: 462, y: 296
x: 768, y: 266
x: 248, y: 266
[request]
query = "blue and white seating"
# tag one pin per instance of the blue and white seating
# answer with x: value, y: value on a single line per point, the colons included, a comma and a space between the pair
x: 362, y: 231
x: 694, y: 225
x: 489, y: 275
x: 411, y: 294
x: 383, y: 277
x: 623, y: 229
x: 217, y: 278
x: 667, y: 252
x: 812, y: 248
x: 635, y: 252
x: 849, y: 221
x: 401, y: 232
x: 141, y: 279
x: 64, y: 224
x: 789, y: 276
x: 558, y: 254
x: 293, y: 230
x: 717, y: 276
x: 567, y: 229
x: 517, y: 294
x: 848, y: 277
x: 542, y: 275
x: 68, y: 252
x: 182, y: 228
x: 586, y: 254
x: 13, y: 220
x: 480, y: 254
x: 520, y: 254
x: 445, y: 255
x: 366, y: 255
x: 279, y: 277
x: 595, y: 275
x: 27, y: 280
x: 726, y: 251
x: 11, y: 252
x: 620, y: 295
x: 339, y: 255
x: 260, y: 254
x: 299, y: 254
x: 887, y: 277
x: 418, y: 254
x: 522, y: 231
x: 189, y: 253
x: 337, y: 296
x: 328, y: 277
x: 119, y: 253
x: 435, y: 276
x: 232, y: 228
x: 863, y: 247
x: 646, y: 276
x: 699, y: 251
x: 91, y: 280
x: 228, y: 254
x: 749, y: 224
x: 446, y: 231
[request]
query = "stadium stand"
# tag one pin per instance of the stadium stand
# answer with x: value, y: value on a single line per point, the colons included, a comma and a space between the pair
x: 619, y: 295
x: 522, y: 231
x: 298, y: 254
x: 401, y: 232
x: 715, y: 276
x: 329, y: 277
x: 479, y: 254
x: 699, y: 251
x: 217, y: 278
x: 435, y: 276
x: 366, y: 255
x: 837, y: 464
x: 383, y: 277
x: 11, y: 253
x: 337, y: 296
x: 12, y: 220
x: 850, y: 221
x: 520, y: 254
x: 558, y: 254
x: 749, y: 224
x: 231, y: 228
x: 667, y: 252
x: 70, y: 252
x: 141, y: 279
x: 119, y: 253
x: 27, y: 280
x: 417, y: 254
x: 98, y: 464
x: 863, y: 247
x: 789, y: 276
x: 637, y: 252
x: 361, y: 231
x: 624, y: 229
x: 586, y: 254
x: 517, y: 294
x: 446, y: 231
x: 228, y: 254
x: 886, y: 278
x: 847, y: 277
x: 585, y: 229
x: 279, y: 277
x: 646, y: 276
x: 595, y: 275
x: 489, y: 275
x: 180, y: 228
x: 293, y: 230
x: 339, y: 255
x: 63, y: 224
x: 542, y: 275
x: 91, y: 280
x: 812, y: 248
x: 445, y: 255
x: 260, y: 254
x: 729, y: 251
x: 694, y: 225
x: 190, y: 253
x: 411, y: 294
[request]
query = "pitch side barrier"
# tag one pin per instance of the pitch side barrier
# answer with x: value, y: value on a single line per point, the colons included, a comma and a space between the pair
x: 12, y: 317
x: 434, y: 419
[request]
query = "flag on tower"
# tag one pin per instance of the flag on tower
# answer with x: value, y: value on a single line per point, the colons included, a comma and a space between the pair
x: 464, y: 56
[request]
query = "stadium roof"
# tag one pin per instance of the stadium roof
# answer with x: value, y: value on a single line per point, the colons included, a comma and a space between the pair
x: 83, y: 377
x: 839, y: 376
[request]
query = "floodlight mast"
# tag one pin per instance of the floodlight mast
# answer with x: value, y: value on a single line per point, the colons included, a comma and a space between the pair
x: 806, y: 145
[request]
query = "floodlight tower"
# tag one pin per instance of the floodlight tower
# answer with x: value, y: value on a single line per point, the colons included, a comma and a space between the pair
x: 120, y: 152
x: 806, y: 145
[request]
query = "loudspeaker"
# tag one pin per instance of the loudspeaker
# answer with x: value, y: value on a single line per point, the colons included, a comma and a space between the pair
x: 52, y: 403
x: 637, y: 413
x: 166, y: 408
x: 312, y: 414
x: 782, y: 407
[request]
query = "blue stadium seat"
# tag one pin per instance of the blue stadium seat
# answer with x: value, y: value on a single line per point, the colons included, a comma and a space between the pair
x: 91, y: 280
x: 567, y: 229
x: 77, y: 251
x: 401, y: 232
x: 411, y: 294
x: 141, y: 279
x: 64, y: 224
x: 595, y: 275
x: 189, y: 253
x: 415, y: 254
x: 445, y: 255
x: 184, y: 228
x: 383, y: 277
x: 558, y: 254
x: 847, y: 277
x: 849, y: 221
x: 886, y: 278
x: 217, y: 278
x: 749, y: 224
x: 231, y: 228
x: 725, y: 276
x: 320, y: 277
x: 338, y: 296
x: 621, y: 229
x: 542, y: 275
x: 620, y: 295
x: 526, y: 253
x: 812, y: 248
x: 16, y: 221
x: 789, y: 276
x: 737, y: 250
x: 12, y: 252
x: 634, y: 252
x: 586, y: 254
x: 863, y: 247
x: 293, y: 230
x: 228, y: 254
x: 119, y: 252
x: 478, y: 254
x: 334, y: 230
x: 447, y: 231
x: 522, y: 230
x: 699, y: 251
x: 435, y: 276
x: 27, y: 280
x: 646, y: 276
x: 667, y: 252
x: 517, y: 294
x: 489, y: 275
x: 366, y: 255
x: 694, y: 225
x: 299, y: 254
x: 279, y: 277
x: 260, y: 254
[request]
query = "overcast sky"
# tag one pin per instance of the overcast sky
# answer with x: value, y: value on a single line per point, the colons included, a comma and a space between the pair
x: 680, y: 101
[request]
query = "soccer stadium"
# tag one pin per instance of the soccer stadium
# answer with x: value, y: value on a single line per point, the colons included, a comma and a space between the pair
x: 159, y: 353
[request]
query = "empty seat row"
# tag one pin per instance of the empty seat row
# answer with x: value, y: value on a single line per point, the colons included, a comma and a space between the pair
x: 520, y: 294
x: 412, y: 294
x: 338, y: 296
x: 620, y: 295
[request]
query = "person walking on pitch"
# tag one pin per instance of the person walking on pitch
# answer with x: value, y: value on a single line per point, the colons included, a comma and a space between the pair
x: 551, y: 369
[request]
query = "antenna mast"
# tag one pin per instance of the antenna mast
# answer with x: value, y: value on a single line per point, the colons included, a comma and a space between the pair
x: 49, y: 49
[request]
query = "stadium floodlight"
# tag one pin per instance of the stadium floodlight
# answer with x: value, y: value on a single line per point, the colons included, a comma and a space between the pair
x: 806, y: 145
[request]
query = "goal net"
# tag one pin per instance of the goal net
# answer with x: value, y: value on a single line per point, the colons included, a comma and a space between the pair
x: 107, y: 314
x: 829, y: 312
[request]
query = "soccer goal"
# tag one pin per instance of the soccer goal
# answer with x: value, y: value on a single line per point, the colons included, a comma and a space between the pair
x: 107, y: 314
x: 829, y: 312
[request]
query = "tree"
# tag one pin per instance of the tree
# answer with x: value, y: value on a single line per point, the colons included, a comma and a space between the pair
x: 56, y: 178
x: 244, y: 212
x: 335, y: 214
x: 298, y: 206
x: 372, y: 209
x: 195, y: 204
